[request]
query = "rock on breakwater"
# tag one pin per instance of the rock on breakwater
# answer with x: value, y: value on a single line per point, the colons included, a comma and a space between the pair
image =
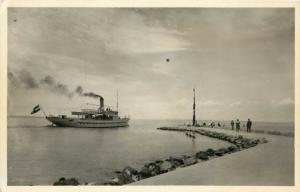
x: 63, y: 181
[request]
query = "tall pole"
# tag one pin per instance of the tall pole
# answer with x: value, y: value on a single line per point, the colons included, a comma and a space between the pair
x: 194, y: 110
x: 43, y: 111
x: 117, y: 101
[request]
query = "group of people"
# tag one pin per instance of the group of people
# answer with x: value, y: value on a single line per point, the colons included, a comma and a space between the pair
x: 238, y: 125
x: 234, y: 125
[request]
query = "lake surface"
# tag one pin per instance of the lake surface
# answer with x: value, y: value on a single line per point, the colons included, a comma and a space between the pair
x: 39, y: 154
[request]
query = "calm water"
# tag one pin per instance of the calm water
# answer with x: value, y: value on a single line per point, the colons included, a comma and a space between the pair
x: 40, y: 155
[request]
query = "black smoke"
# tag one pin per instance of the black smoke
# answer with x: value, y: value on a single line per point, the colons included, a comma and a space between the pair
x: 28, y: 81
x: 79, y: 91
x: 48, y: 80
x: 12, y: 79
x: 56, y: 86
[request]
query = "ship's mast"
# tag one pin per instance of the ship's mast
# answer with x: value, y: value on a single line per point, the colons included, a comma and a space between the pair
x: 194, y: 110
x: 117, y: 101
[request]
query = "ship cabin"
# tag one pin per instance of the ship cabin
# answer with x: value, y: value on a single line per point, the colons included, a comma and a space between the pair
x: 107, y: 114
x: 100, y: 114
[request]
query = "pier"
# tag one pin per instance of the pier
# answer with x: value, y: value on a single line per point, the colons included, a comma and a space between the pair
x: 260, y: 165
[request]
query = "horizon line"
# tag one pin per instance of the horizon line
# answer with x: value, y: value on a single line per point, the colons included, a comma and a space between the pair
x: 269, y: 121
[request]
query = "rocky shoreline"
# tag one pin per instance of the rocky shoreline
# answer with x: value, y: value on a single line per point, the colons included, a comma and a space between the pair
x: 129, y: 174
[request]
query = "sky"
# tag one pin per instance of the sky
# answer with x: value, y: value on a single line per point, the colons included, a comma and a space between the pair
x: 240, y: 61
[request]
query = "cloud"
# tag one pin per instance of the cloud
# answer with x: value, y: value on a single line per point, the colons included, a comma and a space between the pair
x: 209, y: 103
x: 284, y: 101
x: 147, y: 40
x: 233, y: 57
x: 163, y: 67
x: 236, y: 104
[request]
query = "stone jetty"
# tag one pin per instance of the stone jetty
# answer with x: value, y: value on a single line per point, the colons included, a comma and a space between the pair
x: 130, y: 175
x: 268, y: 164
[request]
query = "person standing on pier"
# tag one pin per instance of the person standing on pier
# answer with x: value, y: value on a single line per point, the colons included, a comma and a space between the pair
x: 249, y: 124
x: 232, y: 124
x: 238, y: 125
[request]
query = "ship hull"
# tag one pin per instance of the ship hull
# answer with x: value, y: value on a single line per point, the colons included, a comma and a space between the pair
x: 88, y: 123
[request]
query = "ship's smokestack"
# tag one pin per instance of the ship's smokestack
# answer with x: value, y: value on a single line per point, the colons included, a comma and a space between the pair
x: 101, y: 103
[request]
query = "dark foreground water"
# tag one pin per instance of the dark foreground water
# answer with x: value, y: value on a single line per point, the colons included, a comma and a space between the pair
x: 39, y: 154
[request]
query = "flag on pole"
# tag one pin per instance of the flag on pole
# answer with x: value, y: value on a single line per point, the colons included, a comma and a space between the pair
x: 35, y: 109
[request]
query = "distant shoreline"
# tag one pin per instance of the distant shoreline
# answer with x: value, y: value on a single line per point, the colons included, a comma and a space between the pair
x: 24, y: 116
x: 187, y: 120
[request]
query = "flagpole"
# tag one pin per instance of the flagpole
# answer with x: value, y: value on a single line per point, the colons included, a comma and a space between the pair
x: 43, y: 111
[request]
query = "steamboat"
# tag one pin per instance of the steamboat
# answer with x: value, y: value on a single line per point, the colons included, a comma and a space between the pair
x: 87, y: 118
